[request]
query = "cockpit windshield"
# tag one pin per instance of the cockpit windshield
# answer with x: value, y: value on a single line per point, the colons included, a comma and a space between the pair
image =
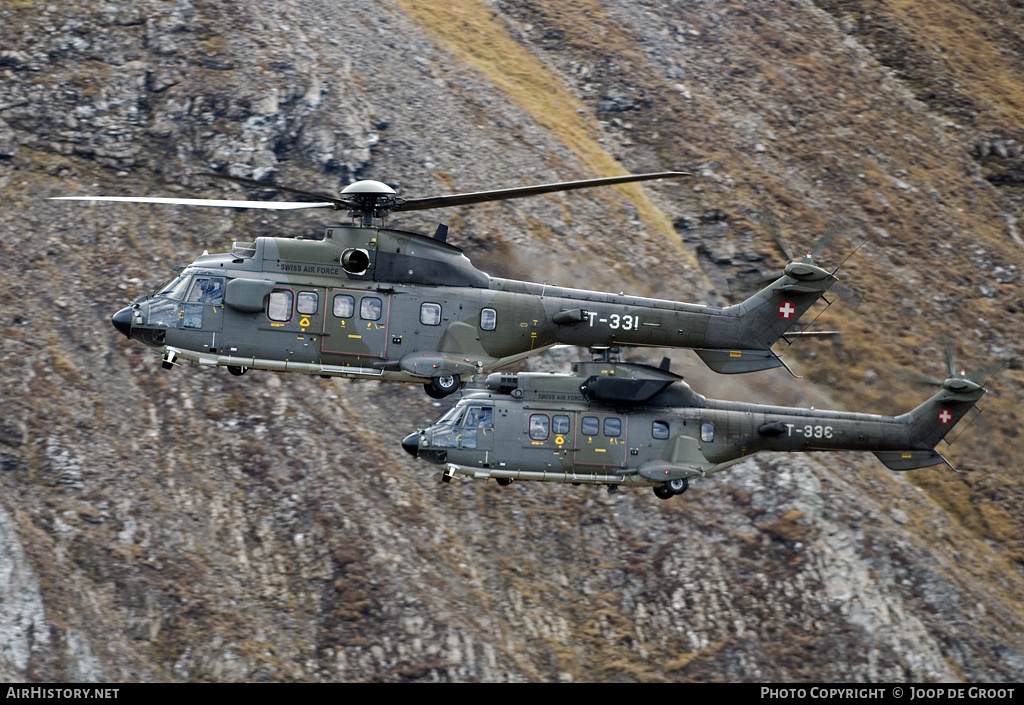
x: 463, y: 426
x: 468, y: 414
x: 175, y: 288
x: 449, y: 417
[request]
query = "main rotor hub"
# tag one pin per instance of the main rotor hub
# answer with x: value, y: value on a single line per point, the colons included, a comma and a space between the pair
x: 372, y: 199
x: 368, y: 186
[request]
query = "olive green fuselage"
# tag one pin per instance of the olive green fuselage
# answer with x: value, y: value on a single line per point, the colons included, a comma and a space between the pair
x: 624, y: 424
x: 404, y: 307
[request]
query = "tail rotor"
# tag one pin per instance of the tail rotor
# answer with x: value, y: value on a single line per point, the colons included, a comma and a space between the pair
x: 957, y: 379
x: 836, y: 229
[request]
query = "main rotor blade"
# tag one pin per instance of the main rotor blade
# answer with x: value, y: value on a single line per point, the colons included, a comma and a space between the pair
x: 267, y: 185
x: 463, y: 199
x: 266, y: 205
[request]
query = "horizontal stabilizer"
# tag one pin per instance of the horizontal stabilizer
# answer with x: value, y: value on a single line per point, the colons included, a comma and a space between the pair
x: 909, y: 459
x: 810, y: 333
x: 729, y: 362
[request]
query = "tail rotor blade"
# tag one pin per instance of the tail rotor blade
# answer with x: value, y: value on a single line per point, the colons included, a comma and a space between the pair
x: 850, y: 296
x: 950, y: 359
x: 981, y: 376
x: 769, y: 220
x: 918, y: 378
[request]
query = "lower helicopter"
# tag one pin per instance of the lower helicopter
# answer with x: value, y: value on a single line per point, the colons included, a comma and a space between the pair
x: 634, y: 425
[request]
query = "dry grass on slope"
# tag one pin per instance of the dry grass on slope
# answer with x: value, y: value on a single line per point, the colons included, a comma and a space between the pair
x: 468, y: 29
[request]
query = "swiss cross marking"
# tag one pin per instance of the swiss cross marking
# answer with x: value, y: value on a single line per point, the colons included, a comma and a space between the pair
x: 945, y: 417
x: 786, y: 310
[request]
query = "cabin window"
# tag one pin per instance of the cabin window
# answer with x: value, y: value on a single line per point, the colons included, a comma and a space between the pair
x: 344, y: 306
x: 279, y: 306
x: 560, y: 425
x: 430, y: 314
x: 307, y: 303
x: 370, y: 308
x: 488, y: 319
x: 540, y: 427
x: 707, y: 432
x: 659, y: 430
x: 590, y: 426
x: 612, y: 427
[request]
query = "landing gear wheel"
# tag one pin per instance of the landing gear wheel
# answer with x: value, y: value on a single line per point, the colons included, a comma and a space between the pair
x: 662, y: 492
x: 237, y: 371
x: 678, y: 486
x: 503, y: 481
x: 443, y: 385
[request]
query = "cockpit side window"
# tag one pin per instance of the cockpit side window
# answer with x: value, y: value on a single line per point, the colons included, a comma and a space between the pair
x: 205, y: 291
x: 479, y: 417
x: 208, y: 291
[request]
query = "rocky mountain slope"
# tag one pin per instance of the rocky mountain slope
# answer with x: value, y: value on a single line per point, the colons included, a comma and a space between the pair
x: 189, y: 525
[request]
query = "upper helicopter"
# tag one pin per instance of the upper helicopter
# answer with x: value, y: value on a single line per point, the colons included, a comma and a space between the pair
x: 374, y: 302
x: 635, y: 425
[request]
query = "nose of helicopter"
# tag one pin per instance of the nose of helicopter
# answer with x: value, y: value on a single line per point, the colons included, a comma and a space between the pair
x: 122, y: 320
x: 411, y: 443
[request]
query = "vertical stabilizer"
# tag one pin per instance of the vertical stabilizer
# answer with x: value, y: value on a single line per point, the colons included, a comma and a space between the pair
x: 930, y: 422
